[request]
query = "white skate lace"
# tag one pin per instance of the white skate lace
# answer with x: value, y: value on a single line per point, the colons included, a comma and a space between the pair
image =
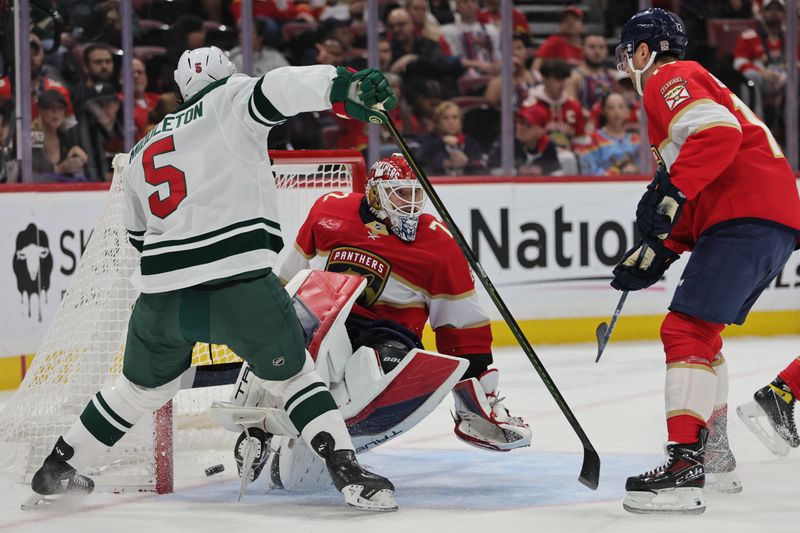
x: 662, y: 468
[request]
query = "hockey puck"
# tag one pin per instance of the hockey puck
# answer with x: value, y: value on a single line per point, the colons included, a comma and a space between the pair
x: 216, y: 469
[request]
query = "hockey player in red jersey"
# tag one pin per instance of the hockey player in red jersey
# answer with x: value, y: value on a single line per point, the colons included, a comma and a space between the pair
x: 415, y: 273
x: 723, y: 190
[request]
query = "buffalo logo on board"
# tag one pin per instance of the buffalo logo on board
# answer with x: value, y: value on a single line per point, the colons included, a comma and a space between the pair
x: 372, y: 267
x: 33, y: 265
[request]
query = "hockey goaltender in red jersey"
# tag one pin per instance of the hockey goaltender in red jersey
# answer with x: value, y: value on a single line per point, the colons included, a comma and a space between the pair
x: 415, y: 273
x: 723, y: 190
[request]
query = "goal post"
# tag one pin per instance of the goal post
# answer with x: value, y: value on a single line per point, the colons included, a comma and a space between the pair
x: 83, y: 348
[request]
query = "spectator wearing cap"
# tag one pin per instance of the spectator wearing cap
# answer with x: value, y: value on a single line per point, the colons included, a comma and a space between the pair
x: 535, y: 154
x: 523, y: 77
x: 43, y: 79
x: 265, y: 56
x: 447, y: 150
x: 491, y: 15
x: 476, y: 43
x: 56, y: 155
x: 592, y: 79
x: 100, y: 130
x: 612, y: 150
x: 566, y: 44
x: 98, y: 68
x: 566, y: 123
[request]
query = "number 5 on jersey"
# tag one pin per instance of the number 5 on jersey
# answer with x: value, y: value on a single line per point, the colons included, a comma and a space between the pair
x: 155, y: 176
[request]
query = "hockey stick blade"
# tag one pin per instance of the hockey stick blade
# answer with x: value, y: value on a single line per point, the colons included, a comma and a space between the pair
x: 590, y: 471
x: 602, y: 340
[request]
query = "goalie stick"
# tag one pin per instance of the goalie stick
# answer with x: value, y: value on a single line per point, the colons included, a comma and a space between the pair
x: 590, y: 471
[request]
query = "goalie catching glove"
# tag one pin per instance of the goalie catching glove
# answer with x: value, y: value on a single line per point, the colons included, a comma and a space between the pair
x: 660, y: 206
x: 355, y: 94
x: 482, y: 420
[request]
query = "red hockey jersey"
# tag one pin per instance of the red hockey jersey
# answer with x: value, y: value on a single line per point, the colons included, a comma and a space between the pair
x: 408, y: 282
x: 718, y: 153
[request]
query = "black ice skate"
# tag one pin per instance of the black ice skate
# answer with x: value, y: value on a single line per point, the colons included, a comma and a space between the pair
x: 771, y: 417
x: 676, y: 487
x: 251, y: 452
x: 361, y: 488
x: 56, y: 478
x: 720, y: 463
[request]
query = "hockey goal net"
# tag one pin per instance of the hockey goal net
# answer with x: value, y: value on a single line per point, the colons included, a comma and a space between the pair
x: 83, y: 348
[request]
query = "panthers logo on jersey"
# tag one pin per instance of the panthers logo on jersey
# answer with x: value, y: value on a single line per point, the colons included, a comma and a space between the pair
x: 355, y: 261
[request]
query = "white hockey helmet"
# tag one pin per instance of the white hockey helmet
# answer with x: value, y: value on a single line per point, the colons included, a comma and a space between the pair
x: 200, y: 67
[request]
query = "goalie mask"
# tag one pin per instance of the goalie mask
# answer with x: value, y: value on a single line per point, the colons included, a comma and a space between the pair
x: 201, y: 67
x: 395, y: 195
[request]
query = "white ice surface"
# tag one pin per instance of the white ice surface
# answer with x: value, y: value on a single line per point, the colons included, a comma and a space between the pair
x: 446, y: 486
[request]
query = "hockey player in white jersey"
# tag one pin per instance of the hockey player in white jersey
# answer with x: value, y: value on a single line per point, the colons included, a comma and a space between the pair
x: 202, y: 209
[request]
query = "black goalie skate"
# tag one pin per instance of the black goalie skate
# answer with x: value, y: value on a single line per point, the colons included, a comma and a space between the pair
x: 720, y: 463
x: 56, y: 478
x: 361, y: 488
x: 676, y: 487
x: 771, y: 417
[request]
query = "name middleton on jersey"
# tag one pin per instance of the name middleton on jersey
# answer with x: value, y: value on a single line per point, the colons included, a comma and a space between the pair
x: 179, y: 119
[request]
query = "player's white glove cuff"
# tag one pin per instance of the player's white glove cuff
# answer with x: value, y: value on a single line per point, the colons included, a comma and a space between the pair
x: 482, y: 420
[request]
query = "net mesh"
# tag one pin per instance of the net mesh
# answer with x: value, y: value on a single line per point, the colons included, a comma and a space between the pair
x: 83, y: 348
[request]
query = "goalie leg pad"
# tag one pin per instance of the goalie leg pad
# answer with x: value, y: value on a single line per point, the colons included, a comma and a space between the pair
x: 481, y: 419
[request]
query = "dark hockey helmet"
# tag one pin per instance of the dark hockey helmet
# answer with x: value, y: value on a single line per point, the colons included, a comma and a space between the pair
x: 395, y: 195
x: 662, y: 31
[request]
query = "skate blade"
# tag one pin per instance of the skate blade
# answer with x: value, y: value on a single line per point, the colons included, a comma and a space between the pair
x: 665, y: 501
x: 757, y: 421
x: 246, y: 471
x: 724, y: 482
x: 381, y: 502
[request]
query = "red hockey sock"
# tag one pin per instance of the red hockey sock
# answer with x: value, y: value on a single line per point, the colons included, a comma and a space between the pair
x: 684, y: 429
x: 684, y: 335
x: 791, y: 376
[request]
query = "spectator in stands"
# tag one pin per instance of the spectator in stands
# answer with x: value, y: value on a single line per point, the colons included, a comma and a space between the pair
x: 56, y: 155
x: 344, y: 10
x: 523, y: 77
x: 98, y: 68
x: 446, y: 150
x: 477, y: 44
x: 592, y: 79
x: 534, y: 153
x: 100, y: 130
x: 265, y: 56
x: 759, y: 55
x: 330, y: 52
x: 384, y: 54
x: 491, y: 15
x: 731, y: 9
x: 341, y: 30
x: 418, y: 59
x: 425, y: 98
x: 402, y: 115
x: 566, y: 44
x: 144, y: 101
x: 280, y: 10
x: 42, y: 79
x: 425, y: 24
x: 612, y: 149
x: 166, y: 104
x: 440, y: 9
x: 566, y: 124
x: 97, y: 20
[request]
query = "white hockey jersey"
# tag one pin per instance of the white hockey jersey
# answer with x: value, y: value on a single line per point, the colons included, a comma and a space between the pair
x: 201, y: 202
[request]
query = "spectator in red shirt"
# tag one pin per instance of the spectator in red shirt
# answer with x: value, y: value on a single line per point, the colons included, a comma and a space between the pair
x: 491, y: 15
x: 41, y: 80
x: 566, y: 44
x: 144, y: 101
x: 565, y: 120
x: 759, y: 54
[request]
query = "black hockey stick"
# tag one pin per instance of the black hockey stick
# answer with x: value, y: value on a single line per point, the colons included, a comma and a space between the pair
x: 590, y: 472
x: 603, y: 331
